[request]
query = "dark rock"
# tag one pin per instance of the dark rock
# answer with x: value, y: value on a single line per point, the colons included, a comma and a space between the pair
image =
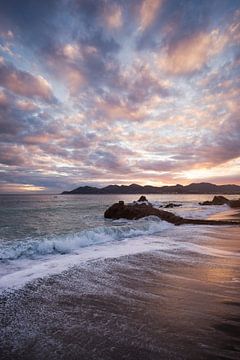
x: 205, y: 203
x: 234, y: 203
x: 217, y: 200
x: 221, y: 200
x: 138, y: 211
x: 142, y: 201
x: 172, y: 205
x: 142, y: 198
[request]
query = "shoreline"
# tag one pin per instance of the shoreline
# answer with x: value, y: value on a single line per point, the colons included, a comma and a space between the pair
x: 23, y: 270
x: 152, y: 305
x: 228, y: 214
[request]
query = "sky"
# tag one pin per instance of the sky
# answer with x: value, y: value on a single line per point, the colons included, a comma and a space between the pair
x: 118, y: 92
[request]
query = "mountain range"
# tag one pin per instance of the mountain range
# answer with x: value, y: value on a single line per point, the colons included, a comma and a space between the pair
x: 194, y: 188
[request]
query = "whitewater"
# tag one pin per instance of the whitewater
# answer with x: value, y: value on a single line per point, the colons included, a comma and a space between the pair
x: 42, y: 235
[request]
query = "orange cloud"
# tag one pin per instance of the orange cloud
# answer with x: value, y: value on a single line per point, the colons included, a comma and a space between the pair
x: 23, y: 83
x: 26, y: 105
x: 38, y: 139
x: 19, y: 188
x: 3, y: 98
x: 71, y: 51
x: 113, y: 17
x: 192, y: 54
x: 120, y: 111
x: 75, y: 80
x: 231, y: 168
x: 148, y: 12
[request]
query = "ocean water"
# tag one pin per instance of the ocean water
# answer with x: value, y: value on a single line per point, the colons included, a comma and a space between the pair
x: 76, y: 286
x: 42, y: 235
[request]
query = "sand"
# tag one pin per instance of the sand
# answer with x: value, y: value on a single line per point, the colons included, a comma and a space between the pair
x: 156, y: 305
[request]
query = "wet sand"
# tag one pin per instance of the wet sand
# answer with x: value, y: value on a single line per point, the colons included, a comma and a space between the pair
x: 159, y: 305
x: 229, y: 214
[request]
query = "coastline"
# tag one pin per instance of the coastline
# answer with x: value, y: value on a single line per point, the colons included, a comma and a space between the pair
x: 228, y: 214
x: 154, y: 305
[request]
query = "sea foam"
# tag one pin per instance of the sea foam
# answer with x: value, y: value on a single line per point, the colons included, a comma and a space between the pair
x: 68, y: 243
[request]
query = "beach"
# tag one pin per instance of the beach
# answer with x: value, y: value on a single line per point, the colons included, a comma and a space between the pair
x: 170, y: 294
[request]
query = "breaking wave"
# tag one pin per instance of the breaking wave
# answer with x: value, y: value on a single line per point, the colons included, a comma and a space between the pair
x: 71, y: 243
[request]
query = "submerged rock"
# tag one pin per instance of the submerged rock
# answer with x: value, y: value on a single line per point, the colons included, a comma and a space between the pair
x: 172, y: 205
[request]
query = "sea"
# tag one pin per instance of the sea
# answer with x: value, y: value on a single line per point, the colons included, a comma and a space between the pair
x: 76, y: 285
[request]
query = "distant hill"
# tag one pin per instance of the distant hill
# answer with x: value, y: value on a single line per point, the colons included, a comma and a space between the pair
x: 194, y: 188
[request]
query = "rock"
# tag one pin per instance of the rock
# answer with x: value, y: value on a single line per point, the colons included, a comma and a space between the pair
x: 141, y: 201
x: 172, y: 205
x: 205, y: 203
x: 221, y: 200
x: 142, y: 198
x: 138, y: 211
x: 234, y: 203
x: 217, y: 200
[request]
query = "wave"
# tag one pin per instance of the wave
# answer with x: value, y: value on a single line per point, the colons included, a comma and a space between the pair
x: 64, y: 244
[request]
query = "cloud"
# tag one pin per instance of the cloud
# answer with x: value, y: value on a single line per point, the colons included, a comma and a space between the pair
x: 113, y: 16
x: 158, y: 166
x: 147, y: 91
x: 83, y: 64
x: 19, y: 188
x: 26, y: 105
x: 192, y: 53
x: 3, y: 98
x: 135, y: 92
x: 13, y: 155
x: 148, y: 12
x: 23, y: 83
x: 225, y: 145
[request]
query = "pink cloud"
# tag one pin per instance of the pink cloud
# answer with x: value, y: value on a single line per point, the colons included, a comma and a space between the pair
x: 148, y: 11
x: 113, y: 16
x: 192, y: 53
x: 23, y: 83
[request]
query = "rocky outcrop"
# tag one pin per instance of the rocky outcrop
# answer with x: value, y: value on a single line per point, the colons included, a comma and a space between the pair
x: 221, y: 200
x: 234, y: 203
x: 137, y: 211
x: 217, y: 200
x: 142, y: 199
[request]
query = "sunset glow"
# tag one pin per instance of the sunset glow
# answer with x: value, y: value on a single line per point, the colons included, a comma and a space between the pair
x: 118, y: 92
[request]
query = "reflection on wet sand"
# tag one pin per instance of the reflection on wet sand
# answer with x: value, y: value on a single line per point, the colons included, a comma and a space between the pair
x: 167, y: 304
